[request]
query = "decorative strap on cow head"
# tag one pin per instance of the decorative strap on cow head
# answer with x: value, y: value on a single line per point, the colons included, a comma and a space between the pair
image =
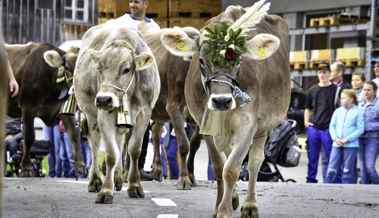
x: 62, y: 81
x: 60, y: 75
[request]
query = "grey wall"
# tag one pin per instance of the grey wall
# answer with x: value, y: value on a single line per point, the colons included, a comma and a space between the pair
x: 287, y: 6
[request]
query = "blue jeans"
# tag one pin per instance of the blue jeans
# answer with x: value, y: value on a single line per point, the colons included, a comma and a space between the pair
x: 12, y: 145
x: 171, y: 151
x: 164, y: 163
x: 342, y: 158
x: 367, y: 152
x: 52, y: 134
x: 211, y: 174
x: 67, y: 156
x: 315, y: 138
x: 85, y: 149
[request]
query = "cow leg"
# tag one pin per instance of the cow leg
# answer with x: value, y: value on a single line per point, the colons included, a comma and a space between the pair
x: 135, y: 189
x: 69, y: 123
x: 29, y: 137
x: 93, y: 138
x: 256, y: 157
x: 157, y: 169
x: 127, y: 158
x: 118, y: 177
x: 106, y: 120
x: 218, y: 160
x: 232, y: 168
x: 194, y: 146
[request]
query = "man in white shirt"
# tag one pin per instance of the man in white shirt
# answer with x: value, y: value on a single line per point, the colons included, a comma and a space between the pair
x: 138, y: 14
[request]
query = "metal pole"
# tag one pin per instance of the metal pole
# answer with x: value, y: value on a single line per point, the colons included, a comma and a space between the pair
x: 20, y: 26
x: 371, y: 33
x: 79, y: 142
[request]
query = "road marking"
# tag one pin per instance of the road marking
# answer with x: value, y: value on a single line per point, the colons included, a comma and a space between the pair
x: 126, y: 188
x: 163, y: 202
x: 73, y: 181
x: 168, y: 216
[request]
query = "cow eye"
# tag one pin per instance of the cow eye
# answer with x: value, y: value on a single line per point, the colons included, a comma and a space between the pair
x: 126, y: 71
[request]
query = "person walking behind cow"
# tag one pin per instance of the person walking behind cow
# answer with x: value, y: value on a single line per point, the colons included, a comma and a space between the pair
x: 85, y: 148
x: 54, y: 158
x: 138, y: 14
x: 66, y: 153
x: 357, y: 81
x: 369, y: 140
x: 345, y: 128
x: 320, y: 105
x: 337, y: 70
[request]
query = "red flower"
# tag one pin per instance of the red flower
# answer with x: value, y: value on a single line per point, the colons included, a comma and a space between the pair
x: 230, y: 54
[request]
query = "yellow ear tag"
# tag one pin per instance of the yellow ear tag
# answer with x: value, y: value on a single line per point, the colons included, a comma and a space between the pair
x: 52, y: 60
x: 262, y: 52
x: 180, y: 46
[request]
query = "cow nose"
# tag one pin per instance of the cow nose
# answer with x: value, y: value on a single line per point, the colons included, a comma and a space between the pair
x: 222, y: 104
x: 104, y: 101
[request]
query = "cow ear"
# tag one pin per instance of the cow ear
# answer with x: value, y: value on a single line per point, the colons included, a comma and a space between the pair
x: 144, y: 60
x: 95, y: 55
x: 261, y: 46
x: 53, y: 58
x: 177, y: 42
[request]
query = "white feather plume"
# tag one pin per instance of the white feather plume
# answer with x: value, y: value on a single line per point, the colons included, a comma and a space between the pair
x: 252, y: 17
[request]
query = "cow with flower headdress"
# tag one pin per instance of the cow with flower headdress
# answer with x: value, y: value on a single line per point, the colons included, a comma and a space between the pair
x: 240, y: 61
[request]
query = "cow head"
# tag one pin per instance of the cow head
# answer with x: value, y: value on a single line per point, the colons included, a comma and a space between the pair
x: 220, y: 49
x: 116, y: 69
x: 65, y: 65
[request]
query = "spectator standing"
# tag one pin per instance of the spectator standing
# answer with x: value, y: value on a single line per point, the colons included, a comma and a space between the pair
x: 66, y: 153
x: 357, y: 81
x: 345, y: 128
x: 85, y: 148
x: 369, y: 140
x: 375, y: 62
x: 337, y: 69
x: 320, y: 105
x: 54, y: 158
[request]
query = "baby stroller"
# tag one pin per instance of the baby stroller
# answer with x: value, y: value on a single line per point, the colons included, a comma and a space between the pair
x: 39, y: 150
x: 281, y: 148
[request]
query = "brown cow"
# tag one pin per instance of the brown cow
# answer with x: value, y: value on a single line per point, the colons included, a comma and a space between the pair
x: 35, y: 67
x: 260, y: 66
x: 171, y: 106
x: 4, y: 93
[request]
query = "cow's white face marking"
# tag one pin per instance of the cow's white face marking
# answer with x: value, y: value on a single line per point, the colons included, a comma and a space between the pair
x: 211, y: 105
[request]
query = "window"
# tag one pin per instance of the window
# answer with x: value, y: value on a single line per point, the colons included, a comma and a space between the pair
x: 76, y: 10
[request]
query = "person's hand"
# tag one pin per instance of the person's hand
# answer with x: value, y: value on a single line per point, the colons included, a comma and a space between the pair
x: 344, y: 140
x: 8, y: 137
x: 308, y: 124
x: 339, y: 142
x: 13, y: 87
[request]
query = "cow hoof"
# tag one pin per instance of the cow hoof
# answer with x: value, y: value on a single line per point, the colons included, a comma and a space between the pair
x: 193, y: 180
x: 136, y: 193
x: 118, y: 183
x: 249, y: 211
x: 104, y: 199
x: 95, y: 185
x: 158, y: 176
x: 184, y: 185
x: 26, y: 173
x: 125, y: 177
x: 83, y: 170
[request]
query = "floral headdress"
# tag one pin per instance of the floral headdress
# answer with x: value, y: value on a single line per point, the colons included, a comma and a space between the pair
x: 225, y: 48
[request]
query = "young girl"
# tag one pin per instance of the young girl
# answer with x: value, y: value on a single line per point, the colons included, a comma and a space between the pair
x: 369, y: 140
x: 345, y: 128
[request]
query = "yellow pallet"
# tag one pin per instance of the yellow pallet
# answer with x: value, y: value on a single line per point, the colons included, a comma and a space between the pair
x: 330, y: 21
x: 298, y: 56
x: 298, y: 66
x: 351, y: 57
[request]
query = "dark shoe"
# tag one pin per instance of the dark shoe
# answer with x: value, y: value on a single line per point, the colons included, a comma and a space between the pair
x: 145, y: 176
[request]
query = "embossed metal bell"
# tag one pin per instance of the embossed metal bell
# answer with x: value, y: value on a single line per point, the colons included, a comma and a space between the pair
x: 69, y: 106
x: 124, y: 118
x: 211, y: 124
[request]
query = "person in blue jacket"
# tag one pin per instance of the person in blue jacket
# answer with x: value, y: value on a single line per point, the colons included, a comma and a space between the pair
x: 345, y: 128
x: 369, y: 140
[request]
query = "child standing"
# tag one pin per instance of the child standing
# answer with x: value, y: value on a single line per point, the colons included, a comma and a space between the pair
x: 345, y: 128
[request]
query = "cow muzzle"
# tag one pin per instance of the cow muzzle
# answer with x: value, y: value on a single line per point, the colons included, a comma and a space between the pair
x: 221, y: 102
x: 106, y: 101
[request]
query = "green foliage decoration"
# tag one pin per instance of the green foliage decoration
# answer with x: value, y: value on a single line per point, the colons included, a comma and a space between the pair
x: 225, y: 47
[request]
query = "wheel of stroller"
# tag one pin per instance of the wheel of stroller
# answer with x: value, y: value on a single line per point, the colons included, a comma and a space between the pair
x: 291, y: 180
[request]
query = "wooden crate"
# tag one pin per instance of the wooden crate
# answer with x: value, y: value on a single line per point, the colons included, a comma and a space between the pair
x: 195, y: 8
x: 197, y: 23
x: 351, y: 57
x: 72, y: 32
x: 322, y: 55
x: 299, y: 60
x: 163, y: 23
x: 112, y: 8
